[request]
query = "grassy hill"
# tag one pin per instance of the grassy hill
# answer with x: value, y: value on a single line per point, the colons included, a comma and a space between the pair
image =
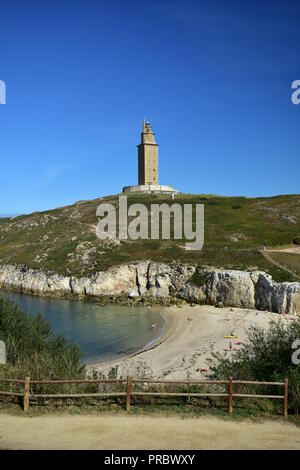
x: 64, y: 240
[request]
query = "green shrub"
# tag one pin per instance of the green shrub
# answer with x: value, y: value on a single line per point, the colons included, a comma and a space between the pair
x: 236, y: 207
x: 197, y: 279
x: 33, y: 349
x: 297, y: 240
x: 265, y: 356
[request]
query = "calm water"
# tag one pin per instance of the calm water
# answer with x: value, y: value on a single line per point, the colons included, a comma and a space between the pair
x: 103, y: 333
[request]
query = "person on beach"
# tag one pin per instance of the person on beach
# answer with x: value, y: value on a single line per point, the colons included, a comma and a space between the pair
x: 230, y: 346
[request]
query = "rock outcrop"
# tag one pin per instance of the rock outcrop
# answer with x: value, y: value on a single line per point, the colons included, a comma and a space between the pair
x: 232, y: 288
x: 158, y: 281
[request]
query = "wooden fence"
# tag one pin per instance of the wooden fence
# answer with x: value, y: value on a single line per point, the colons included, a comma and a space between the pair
x: 130, y: 392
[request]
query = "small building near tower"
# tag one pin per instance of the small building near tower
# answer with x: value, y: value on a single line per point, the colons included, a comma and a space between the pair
x: 148, y: 171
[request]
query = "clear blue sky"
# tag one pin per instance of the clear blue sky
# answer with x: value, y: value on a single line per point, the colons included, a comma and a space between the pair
x: 213, y: 77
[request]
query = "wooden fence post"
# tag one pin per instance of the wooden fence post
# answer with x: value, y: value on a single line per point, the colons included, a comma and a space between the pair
x: 286, y: 390
x: 230, y: 395
x: 128, y: 385
x: 26, y: 395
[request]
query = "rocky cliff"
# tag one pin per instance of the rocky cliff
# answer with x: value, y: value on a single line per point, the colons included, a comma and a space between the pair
x: 152, y: 281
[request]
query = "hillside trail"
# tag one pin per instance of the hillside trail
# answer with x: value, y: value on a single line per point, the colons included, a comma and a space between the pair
x: 144, y: 432
x: 279, y: 265
x: 291, y: 249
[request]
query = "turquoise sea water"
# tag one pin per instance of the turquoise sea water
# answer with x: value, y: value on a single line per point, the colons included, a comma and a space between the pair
x: 103, y: 333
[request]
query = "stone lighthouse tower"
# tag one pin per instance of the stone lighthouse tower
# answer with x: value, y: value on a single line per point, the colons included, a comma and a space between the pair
x: 148, y: 157
x: 148, y: 166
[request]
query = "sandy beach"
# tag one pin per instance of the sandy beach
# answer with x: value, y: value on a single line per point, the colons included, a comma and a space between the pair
x: 191, y: 335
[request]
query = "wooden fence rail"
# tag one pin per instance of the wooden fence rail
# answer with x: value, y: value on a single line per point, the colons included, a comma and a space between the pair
x: 128, y: 392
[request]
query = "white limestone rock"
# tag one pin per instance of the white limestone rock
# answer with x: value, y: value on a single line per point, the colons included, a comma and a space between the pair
x: 232, y: 288
x: 192, y: 293
x: 142, y: 277
x: 157, y: 280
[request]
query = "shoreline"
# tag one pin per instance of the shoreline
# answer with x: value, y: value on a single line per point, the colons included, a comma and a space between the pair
x: 167, y: 328
x: 101, y: 300
x: 192, y: 335
x: 140, y: 340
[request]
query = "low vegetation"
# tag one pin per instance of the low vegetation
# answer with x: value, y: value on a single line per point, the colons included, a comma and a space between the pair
x: 266, y: 356
x: 64, y: 240
x: 288, y: 260
x: 33, y: 349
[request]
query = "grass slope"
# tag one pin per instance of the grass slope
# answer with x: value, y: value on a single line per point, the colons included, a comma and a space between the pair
x: 64, y: 240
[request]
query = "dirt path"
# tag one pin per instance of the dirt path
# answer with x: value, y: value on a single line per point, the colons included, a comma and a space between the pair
x: 292, y: 249
x: 281, y: 266
x: 144, y: 432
